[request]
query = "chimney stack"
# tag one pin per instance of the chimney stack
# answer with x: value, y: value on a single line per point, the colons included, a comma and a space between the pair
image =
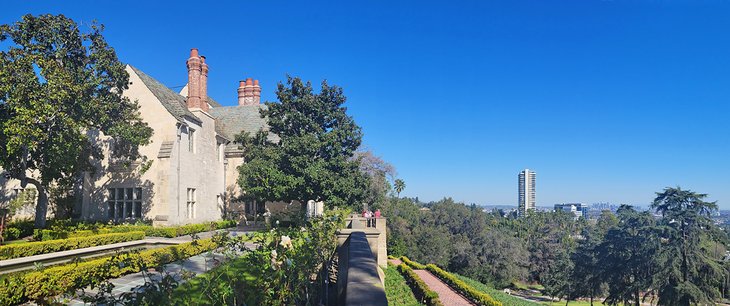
x: 203, y: 84
x: 256, y: 92
x: 248, y: 92
x: 194, y: 64
x: 241, y: 93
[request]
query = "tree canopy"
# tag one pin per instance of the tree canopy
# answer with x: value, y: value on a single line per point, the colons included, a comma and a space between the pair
x: 56, y: 84
x: 312, y: 158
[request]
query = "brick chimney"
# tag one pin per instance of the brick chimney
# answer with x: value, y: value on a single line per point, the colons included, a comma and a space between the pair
x: 194, y: 64
x: 203, y: 84
x: 241, y: 93
x: 256, y: 92
x: 248, y: 92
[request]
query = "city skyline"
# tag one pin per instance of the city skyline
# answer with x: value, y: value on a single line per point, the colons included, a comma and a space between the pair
x: 596, y: 96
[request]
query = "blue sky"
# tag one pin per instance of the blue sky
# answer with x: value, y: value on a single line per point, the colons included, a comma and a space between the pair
x: 605, y: 100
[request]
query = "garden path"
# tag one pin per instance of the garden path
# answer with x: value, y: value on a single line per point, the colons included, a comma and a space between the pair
x: 447, y: 296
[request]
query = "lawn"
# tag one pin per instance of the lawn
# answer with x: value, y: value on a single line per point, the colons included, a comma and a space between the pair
x: 498, y: 295
x: 397, y: 290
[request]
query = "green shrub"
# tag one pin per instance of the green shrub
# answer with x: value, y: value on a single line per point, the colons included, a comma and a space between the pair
x: 412, y: 264
x: 420, y: 289
x: 397, y: 290
x: 50, y: 246
x: 19, y: 229
x: 476, y: 296
x: 163, y: 231
x: 50, y: 282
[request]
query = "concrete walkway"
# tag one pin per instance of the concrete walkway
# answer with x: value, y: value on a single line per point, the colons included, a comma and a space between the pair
x: 447, y: 296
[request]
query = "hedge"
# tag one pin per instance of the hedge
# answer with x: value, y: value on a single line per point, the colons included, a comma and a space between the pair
x: 412, y: 264
x: 420, y: 289
x: 163, y: 231
x: 18, y: 229
x: 476, y: 296
x: 53, y: 281
x: 50, y: 246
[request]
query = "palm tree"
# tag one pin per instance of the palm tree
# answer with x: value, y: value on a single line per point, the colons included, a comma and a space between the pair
x: 399, y: 186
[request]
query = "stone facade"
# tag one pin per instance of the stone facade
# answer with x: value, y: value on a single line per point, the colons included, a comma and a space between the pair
x: 191, y: 163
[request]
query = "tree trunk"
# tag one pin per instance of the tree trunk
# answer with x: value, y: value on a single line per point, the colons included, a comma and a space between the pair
x: 41, y: 208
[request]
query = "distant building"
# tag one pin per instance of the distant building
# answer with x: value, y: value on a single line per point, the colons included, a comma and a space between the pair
x: 525, y: 191
x: 578, y: 209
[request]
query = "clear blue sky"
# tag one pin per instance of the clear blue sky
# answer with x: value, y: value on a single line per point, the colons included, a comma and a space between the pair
x: 606, y: 100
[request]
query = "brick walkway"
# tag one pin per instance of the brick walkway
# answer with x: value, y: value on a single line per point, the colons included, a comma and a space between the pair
x: 447, y: 295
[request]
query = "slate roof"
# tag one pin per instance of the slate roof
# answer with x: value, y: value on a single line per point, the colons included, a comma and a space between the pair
x: 231, y: 120
x: 213, y: 103
x: 172, y: 101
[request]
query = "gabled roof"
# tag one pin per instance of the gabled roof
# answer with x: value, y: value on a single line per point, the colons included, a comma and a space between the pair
x: 173, y: 102
x: 231, y: 120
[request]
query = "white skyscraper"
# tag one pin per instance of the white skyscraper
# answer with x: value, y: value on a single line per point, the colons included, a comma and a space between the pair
x: 526, y: 191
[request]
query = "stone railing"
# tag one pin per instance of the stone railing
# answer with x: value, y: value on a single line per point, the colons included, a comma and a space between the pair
x: 359, y: 280
x: 374, y: 229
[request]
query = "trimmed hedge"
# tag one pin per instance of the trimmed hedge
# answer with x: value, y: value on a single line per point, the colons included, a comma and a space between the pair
x: 163, y: 231
x: 53, y: 281
x: 50, y: 246
x: 420, y: 289
x: 474, y: 295
x: 412, y: 264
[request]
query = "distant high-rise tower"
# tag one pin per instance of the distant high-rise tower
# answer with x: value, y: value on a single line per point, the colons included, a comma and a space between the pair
x: 525, y: 191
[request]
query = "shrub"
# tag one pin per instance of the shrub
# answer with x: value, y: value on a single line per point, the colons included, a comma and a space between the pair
x: 412, y: 264
x: 474, y: 295
x: 19, y: 229
x: 420, y: 289
x: 163, y: 231
x: 50, y: 246
x: 50, y: 282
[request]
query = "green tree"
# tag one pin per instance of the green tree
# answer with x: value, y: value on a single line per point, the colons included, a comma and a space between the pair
x: 400, y: 185
x: 627, y: 256
x: 312, y: 158
x: 691, y: 275
x: 587, y: 279
x: 57, y: 84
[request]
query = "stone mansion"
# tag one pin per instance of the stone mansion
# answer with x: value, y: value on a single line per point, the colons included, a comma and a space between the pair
x: 190, y: 174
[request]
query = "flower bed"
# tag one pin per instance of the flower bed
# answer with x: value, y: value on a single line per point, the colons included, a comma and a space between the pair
x: 50, y: 246
x: 420, y: 289
x: 474, y: 295
x: 50, y: 282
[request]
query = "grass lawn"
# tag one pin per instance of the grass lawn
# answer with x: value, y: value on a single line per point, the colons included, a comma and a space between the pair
x: 397, y: 290
x: 498, y: 295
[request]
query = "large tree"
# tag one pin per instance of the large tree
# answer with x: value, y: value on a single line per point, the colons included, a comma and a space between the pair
x: 627, y: 256
x: 690, y: 274
x: 312, y: 157
x: 56, y: 84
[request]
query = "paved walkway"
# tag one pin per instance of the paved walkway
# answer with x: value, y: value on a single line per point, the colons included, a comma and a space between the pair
x: 447, y: 296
